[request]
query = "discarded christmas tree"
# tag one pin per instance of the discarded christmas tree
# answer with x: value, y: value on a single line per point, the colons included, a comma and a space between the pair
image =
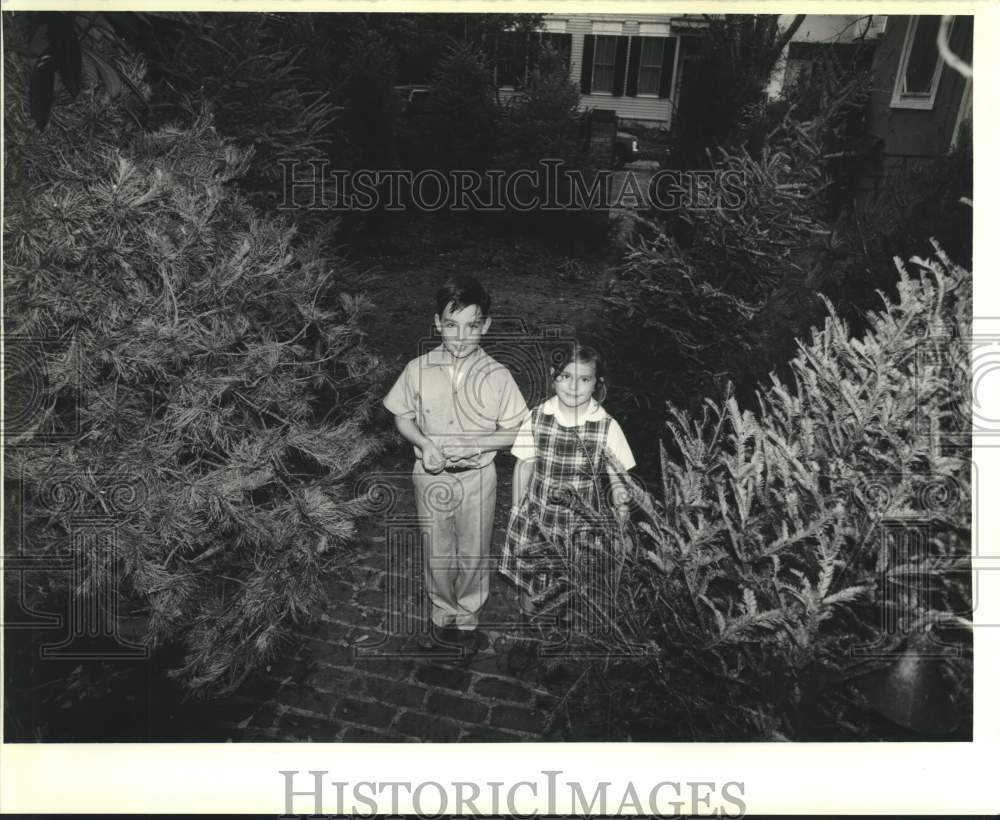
x: 793, y: 555
x: 217, y: 371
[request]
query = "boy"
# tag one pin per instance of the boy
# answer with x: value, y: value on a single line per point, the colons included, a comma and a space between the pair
x: 457, y: 406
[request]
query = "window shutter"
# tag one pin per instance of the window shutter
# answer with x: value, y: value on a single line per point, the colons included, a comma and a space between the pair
x: 564, y: 42
x: 621, y: 57
x: 588, y: 63
x: 667, y: 70
x: 634, y: 54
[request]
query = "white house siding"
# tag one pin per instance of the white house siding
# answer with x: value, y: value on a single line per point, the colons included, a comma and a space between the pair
x: 651, y: 109
x: 654, y: 110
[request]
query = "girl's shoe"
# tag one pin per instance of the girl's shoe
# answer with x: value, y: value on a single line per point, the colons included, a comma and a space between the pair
x: 522, y: 656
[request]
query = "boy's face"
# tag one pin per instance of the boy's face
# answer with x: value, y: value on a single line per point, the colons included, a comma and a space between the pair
x: 461, y: 330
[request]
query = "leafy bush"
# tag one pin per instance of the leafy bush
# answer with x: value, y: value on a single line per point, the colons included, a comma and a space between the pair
x: 543, y: 122
x: 697, y: 303
x: 724, y: 81
x: 223, y: 379
x: 84, y: 48
x: 240, y: 70
x: 660, y: 300
x: 725, y: 291
x: 371, y: 107
x: 767, y: 560
x: 460, y: 126
x: 913, y: 203
x: 835, y: 92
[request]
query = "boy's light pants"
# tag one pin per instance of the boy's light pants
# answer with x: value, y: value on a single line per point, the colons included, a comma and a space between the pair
x: 457, y: 511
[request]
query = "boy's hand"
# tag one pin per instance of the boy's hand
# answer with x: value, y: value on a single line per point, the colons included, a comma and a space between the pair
x: 432, y: 458
x: 458, y: 449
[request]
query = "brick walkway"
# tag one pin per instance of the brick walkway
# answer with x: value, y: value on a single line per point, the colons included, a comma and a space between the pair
x: 359, y: 675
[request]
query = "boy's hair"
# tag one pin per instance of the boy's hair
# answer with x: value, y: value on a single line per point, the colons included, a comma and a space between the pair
x: 582, y: 354
x: 460, y: 292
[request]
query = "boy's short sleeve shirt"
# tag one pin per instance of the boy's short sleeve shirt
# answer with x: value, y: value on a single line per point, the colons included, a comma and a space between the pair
x: 617, y: 444
x: 478, y: 396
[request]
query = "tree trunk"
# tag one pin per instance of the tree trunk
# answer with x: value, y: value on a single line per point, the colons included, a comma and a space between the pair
x: 786, y: 35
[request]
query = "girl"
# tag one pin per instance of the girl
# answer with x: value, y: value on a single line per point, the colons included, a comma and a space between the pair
x: 563, y: 443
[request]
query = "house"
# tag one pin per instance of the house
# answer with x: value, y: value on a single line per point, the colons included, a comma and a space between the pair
x: 851, y: 38
x: 918, y: 103
x: 634, y: 65
x: 627, y: 63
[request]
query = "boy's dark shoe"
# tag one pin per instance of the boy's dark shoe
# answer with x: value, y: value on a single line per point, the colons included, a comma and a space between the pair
x: 471, y: 641
x: 441, y: 638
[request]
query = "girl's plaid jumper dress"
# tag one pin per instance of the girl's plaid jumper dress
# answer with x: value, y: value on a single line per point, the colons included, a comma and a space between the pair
x: 564, y: 457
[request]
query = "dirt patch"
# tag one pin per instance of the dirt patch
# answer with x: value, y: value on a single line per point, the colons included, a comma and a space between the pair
x: 534, y: 288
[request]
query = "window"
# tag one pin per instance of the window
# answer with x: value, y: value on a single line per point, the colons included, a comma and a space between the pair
x: 919, y: 64
x: 605, y: 57
x: 651, y: 67
x: 650, y: 63
x: 516, y: 54
x: 604, y: 65
x: 560, y: 43
x: 918, y: 77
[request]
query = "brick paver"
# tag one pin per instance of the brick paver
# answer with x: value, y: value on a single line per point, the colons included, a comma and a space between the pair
x: 458, y: 707
x: 517, y: 718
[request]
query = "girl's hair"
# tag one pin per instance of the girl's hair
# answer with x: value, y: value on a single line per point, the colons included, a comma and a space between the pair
x: 581, y: 354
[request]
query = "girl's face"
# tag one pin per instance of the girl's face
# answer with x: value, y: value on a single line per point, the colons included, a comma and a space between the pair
x: 575, y: 384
